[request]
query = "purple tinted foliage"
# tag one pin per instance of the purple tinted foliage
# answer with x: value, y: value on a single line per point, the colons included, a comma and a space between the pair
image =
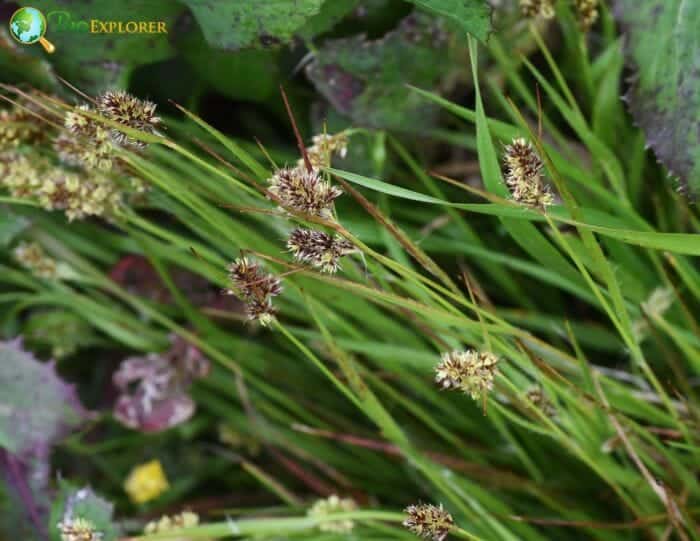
x: 344, y: 86
x: 136, y: 274
x: 154, y: 388
x: 28, y: 479
x: 37, y: 408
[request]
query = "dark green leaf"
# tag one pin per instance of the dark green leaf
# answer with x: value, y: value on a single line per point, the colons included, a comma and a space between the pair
x: 472, y: 16
x: 366, y: 80
x: 663, y: 46
x: 331, y: 13
x: 73, y: 503
x: 236, y: 25
x: 251, y: 75
x: 97, y: 61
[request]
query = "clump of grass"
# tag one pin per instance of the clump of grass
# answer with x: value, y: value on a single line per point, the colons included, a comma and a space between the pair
x: 591, y: 298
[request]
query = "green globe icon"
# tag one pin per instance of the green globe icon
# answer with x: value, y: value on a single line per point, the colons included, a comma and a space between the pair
x: 28, y: 25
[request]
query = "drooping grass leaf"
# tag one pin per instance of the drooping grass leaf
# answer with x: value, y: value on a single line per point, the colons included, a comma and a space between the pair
x: 17, y: 63
x: 663, y: 46
x: 10, y: 226
x: 366, y: 80
x: 472, y: 16
x: 253, y: 23
x: 596, y: 221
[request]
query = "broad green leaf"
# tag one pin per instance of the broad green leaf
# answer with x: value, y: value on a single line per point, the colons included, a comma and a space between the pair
x: 94, y: 62
x: 251, y: 75
x: 82, y: 503
x: 36, y: 406
x: 331, y: 13
x: 366, y: 79
x: 234, y: 25
x: 663, y: 47
x: 472, y: 16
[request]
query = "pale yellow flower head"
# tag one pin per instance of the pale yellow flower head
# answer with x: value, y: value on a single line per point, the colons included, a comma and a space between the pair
x: 332, y: 505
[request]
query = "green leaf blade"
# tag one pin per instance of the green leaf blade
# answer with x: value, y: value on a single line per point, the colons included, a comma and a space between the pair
x: 663, y: 46
x: 472, y: 16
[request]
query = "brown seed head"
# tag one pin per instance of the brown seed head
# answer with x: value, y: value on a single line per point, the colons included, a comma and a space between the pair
x: 134, y: 113
x: 255, y: 287
x: 319, y: 249
x: 428, y: 521
x: 524, y: 175
x: 304, y: 191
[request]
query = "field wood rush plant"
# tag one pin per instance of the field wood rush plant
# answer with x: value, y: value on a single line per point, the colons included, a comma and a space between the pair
x: 352, y: 269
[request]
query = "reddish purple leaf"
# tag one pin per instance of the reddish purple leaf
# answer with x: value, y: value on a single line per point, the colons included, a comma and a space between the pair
x: 154, y: 388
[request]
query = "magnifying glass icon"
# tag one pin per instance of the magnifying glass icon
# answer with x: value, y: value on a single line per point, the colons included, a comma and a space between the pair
x: 28, y: 26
